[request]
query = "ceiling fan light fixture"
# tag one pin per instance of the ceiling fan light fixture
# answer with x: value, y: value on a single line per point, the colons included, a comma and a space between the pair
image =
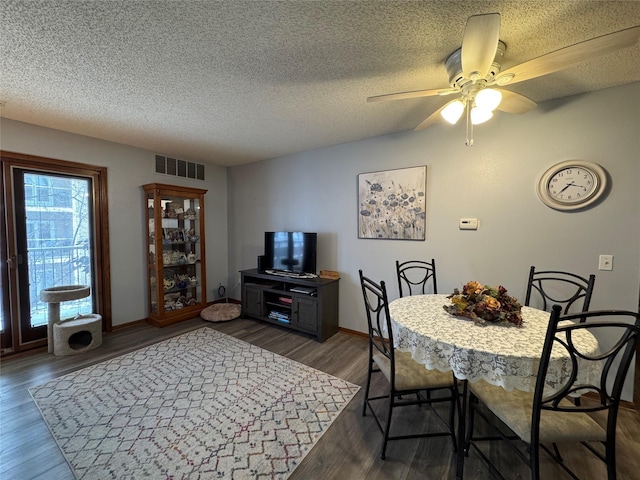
x: 480, y: 115
x: 452, y: 112
x: 488, y: 99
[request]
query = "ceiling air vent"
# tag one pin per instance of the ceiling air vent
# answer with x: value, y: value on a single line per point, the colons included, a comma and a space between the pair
x: 179, y: 168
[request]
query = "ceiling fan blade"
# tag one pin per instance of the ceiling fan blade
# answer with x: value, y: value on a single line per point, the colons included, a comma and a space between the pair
x: 515, y: 103
x: 479, y: 44
x: 569, y: 56
x: 435, y: 117
x: 413, y: 94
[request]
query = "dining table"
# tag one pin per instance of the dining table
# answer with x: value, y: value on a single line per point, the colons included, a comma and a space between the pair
x: 501, y: 354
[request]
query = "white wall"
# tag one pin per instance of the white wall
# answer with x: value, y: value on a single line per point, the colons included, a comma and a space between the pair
x: 127, y: 169
x: 494, y: 181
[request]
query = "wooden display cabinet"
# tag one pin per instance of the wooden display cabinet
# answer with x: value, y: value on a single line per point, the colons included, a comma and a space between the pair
x: 176, y: 267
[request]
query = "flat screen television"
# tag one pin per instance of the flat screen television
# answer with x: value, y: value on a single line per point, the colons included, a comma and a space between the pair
x: 290, y: 251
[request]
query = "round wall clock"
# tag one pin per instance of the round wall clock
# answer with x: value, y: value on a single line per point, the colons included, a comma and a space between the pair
x: 572, y: 184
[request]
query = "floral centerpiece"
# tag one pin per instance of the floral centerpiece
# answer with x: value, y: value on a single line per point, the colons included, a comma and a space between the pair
x: 484, y: 304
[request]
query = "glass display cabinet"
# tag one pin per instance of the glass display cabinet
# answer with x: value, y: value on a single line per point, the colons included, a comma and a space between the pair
x: 176, y: 265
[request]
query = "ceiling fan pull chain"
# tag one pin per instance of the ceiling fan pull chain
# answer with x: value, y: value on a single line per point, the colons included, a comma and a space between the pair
x: 469, y: 142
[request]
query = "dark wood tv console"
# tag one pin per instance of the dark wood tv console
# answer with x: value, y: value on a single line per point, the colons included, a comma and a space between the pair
x: 312, y: 309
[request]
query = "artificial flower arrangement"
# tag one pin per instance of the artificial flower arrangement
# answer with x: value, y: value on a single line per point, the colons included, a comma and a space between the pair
x: 484, y: 304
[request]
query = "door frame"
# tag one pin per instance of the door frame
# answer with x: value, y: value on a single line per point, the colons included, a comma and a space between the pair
x: 101, y: 235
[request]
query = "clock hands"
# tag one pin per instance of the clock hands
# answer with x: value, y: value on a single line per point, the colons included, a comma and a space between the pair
x: 567, y: 186
x: 572, y: 184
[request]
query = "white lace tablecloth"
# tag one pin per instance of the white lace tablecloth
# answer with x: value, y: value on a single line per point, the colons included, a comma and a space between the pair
x: 503, y: 355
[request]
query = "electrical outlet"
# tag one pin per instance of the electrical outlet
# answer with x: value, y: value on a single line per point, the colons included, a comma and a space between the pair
x: 605, y: 262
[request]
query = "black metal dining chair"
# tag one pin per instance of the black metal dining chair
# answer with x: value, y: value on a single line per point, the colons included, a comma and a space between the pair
x: 547, y: 288
x: 415, y: 277
x: 410, y: 383
x: 544, y: 418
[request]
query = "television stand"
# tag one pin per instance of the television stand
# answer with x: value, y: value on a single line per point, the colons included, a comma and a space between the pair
x: 306, y: 304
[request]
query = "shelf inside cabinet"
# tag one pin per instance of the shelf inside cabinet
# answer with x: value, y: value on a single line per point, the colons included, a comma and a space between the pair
x: 279, y: 301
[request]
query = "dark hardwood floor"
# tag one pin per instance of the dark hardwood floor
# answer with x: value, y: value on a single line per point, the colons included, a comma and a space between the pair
x: 348, y: 450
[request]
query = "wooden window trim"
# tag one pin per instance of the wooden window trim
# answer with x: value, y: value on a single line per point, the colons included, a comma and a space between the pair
x: 101, y: 215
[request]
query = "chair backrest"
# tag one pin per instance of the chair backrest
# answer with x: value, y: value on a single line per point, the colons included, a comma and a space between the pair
x: 555, y: 287
x: 415, y: 275
x: 376, y: 304
x: 624, y: 326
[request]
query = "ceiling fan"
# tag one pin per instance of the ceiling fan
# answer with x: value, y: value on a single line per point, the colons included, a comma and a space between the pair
x: 476, y: 78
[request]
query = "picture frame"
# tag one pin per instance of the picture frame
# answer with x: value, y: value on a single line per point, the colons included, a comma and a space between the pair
x: 392, y: 204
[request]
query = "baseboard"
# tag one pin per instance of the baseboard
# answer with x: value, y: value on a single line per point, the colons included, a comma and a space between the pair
x: 128, y: 325
x: 226, y: 300
x: 355, y: 333
x: 144, y: 320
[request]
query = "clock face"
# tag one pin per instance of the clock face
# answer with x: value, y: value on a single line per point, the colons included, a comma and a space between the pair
x: 572, y: 185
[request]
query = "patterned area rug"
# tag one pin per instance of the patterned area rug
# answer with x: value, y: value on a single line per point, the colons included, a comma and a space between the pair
x: 203, y: 405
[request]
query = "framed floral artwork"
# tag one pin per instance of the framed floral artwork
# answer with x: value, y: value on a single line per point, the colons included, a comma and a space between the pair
x: 392, y: 204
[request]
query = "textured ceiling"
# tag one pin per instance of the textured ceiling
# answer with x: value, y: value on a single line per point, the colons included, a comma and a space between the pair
x: 236, y: 81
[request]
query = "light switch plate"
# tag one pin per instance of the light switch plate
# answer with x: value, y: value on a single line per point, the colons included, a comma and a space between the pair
x: 468, y: 224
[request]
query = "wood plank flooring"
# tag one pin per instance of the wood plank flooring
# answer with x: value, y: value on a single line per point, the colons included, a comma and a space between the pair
x: 348, y: 450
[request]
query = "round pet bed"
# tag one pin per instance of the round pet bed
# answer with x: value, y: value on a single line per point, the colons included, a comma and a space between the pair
x: 221, y: 312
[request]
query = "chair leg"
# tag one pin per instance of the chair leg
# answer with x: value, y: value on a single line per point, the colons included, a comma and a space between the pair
x: 470, y: 423
x: 452, y: 410
x: 534, y: 461
x: 387, y: 425
x: 366, y: 390
x: 610, y: 458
